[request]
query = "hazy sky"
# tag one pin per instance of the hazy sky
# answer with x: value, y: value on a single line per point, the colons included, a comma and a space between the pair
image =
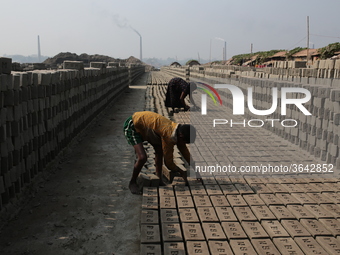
x: 173, y: 28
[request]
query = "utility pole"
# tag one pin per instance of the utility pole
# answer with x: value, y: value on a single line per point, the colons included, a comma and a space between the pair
x: 251, y: 48
x: 307, y: 63
x: 225, y: 50
x: 210, y: 51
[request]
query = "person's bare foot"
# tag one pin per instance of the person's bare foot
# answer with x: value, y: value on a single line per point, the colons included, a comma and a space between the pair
x: 184, y: 176
x: 134, y: 188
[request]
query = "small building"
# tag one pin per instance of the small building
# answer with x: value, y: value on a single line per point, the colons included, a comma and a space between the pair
x: 280, y: 56
x: 175, y: 64
x: 251, y: 61
x: 193, y: 63
x: 302, y: 55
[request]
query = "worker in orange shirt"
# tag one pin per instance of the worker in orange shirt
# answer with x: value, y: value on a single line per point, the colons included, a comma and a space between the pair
x: 163, y: 134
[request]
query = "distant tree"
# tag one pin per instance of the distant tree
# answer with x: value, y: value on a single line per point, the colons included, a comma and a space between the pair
x: 329, y: 50
x: 290, y: 53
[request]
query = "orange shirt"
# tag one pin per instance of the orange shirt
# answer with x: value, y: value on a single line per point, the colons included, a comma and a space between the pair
x: 151, y: 124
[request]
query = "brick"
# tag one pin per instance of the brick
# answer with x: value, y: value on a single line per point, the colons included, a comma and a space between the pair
x: 209, y: 181
x: 262, y: 212
x: 300, y: 212
x: 261, y: 188
x: 171, y: 232
x: 188, y: 215
x: 213, y: 231
x: 150, y: 234
x: 265, y: 246
x: 309, y: 245
x: 150, y: 191
x: 287, y: 199
x: 274, y: 228
x: 308, y: 187
x: 207, y: 214
x: 304, y: 198
x: 192, y: 232
x: 320, y: 198
x: 222, y: 180
x: 198, y: 190
x: 219, y: 201
x: 236, y: 200
x: 5, y: 65
x: 315, y: 227
x: 197, y: 247
x: 174, y: 248
x: 237, y: 179
x: 318, y: 211
x: 332, y: 225
x: 254, y: 229
x: 229, y: 189
x: 150, y: 249
x: 330, y: 244
x: 213, y: 189
x: 149, y: 217
x: 184, y: 201
x: 244, y: 213
x: 291, y: 187
x: 202, y: 201
x: 182, y: 190
x: 219, y: 247
x: 287, y: 246
x: 241, y: 247
x: 271, y: 199
x: 166, y: 191
x: 78, y: 65
x: 253, y: 199
x: 169, y: 216
x: 334, y: 196
x: 150, y: 202
x: 294, y: 228
x: 167, y: 202
x: 233, y: 230
x: 225, y: 214
x: 244, y: 188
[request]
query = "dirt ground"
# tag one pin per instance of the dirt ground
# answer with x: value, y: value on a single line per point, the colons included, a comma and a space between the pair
x: 84, y: 206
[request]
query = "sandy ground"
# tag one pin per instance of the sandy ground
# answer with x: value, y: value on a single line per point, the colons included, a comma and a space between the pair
x: 84, y: 206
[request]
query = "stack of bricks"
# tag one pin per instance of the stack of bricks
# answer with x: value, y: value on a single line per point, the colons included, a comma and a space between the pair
x: 323, y: 72
x: 318, y: 134
x: 41, y: 112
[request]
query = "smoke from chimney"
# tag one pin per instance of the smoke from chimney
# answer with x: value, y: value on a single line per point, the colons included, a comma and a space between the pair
x: 123, y: 23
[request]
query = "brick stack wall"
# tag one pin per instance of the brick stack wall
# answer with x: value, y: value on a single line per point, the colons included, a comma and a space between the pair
x: 41, y: 112
x: 318, y: 134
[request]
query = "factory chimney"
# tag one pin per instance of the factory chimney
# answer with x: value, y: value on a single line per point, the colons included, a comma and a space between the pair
x: 141, y: 59
x: 39, y: 54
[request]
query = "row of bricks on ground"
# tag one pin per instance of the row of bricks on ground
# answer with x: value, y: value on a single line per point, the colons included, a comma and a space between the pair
x: 272, y: 218
x: 247, y: 207
x: 298, y: 246
x: 265, y: 186
x: 204, y: 225
x: 275, y: 183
